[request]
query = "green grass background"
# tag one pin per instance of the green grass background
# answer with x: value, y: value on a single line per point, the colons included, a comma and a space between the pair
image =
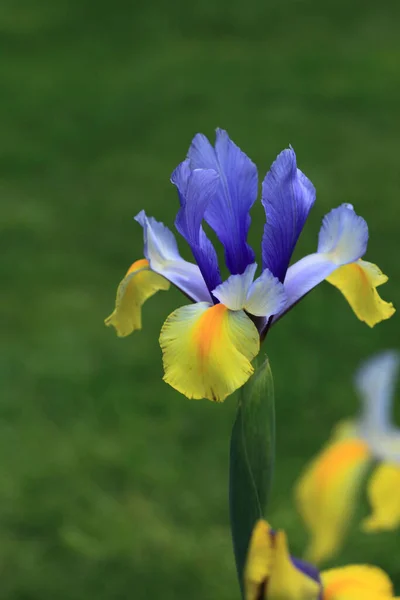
x: 112, y: 485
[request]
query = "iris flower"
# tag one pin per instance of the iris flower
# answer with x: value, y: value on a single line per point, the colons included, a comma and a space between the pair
x: 208, y: 345
x: 326, y: 493
x: 272, y: 573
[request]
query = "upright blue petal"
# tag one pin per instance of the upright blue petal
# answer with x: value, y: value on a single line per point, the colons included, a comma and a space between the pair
x: 228, y: 212
x: 287, y: 196
x: 195, y: 190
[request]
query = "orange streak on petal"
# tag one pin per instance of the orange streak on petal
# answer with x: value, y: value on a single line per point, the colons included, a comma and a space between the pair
x: 207, y: 350
x: 332, y: 591
x: 337, y: 456
x: 326, y: 494
x: 208, y: 330
x: 358, y: 582
x: 138, y: 264
x: 139, y: 284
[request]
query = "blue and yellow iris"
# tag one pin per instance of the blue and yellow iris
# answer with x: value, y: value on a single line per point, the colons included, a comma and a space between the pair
x: 271, y: 573
x: 327, y: 492
x: 208, y: 346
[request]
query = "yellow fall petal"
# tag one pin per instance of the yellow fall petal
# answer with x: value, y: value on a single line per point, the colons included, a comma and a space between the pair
x: 384, y: 496
x: 270, y: 572
x: 139, y: 284
x: 356, y: 582
x: 358, y: 282
x: 326, y: 494
x: 207, y: 350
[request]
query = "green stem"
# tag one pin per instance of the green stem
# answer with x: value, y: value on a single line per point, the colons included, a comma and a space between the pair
x: 252, y: 455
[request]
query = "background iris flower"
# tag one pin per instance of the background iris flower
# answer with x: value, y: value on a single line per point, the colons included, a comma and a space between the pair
x: 327, y: 491
x: 273, y: 574
x: 208, y: 346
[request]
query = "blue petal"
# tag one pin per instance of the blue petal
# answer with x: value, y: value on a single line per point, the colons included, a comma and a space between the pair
x: 287, y: 196
x: 195, y: 190
x: 228, y: 212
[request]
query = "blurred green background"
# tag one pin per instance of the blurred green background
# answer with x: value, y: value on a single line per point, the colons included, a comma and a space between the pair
x: 112, y: 485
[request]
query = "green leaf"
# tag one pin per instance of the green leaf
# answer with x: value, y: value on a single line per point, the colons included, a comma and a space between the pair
x: 251, y: 460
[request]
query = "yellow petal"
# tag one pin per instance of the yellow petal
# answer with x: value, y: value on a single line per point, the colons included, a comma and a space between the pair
x: 286, y: 581
x: 356, y: 582
x: 358, y: 282
x: 326, y: 494
x: 384, y: 496
x: 139, y: 284
x: 270, y: 572
x: 259, y: 561
x: 345, y: 429
x: 207, y: 350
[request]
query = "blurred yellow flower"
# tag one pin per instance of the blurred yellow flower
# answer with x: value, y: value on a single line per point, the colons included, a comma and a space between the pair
x: 271, y: 573
x: 327, y: 492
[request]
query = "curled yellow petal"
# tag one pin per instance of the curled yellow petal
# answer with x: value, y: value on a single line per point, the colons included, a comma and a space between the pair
x: 326, y: 494
x: 356, y: 582
x: 207, y: 350
x: 358, y: 282
x: 286, y: 580
x: 139, y: 284
x: 270, y: 573
x: 384, y: 497
x: 259, y: 561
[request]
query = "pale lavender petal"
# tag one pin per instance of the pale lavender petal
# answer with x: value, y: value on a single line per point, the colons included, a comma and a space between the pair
x: 229, y: 211
x: 161, y: 250
x: 266, y: 296
x: 303, y: 276
x: 375, y: 382
x: 195, y: 189
x: 383, y: 444
x: 343, y: 239
x: 233, y: 292
x: 263, y: 297
x: 288, y: 196
x: 343, y: 235
x: 159, y: 241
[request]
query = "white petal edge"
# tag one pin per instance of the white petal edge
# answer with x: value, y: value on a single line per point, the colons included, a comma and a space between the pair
x: 375, y: 382
x: 161, y: 250
x: 343, y: 235
x: 233, y: 292
x: 266, y: 296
